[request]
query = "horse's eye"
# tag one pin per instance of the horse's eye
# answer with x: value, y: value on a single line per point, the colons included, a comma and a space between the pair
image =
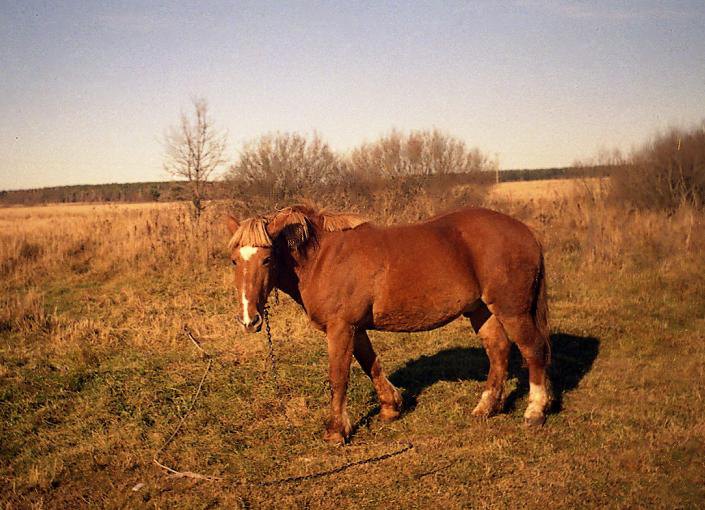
x: 234, y: 263
x: 266, y: 261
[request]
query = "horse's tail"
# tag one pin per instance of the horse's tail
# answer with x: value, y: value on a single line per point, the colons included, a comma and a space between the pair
x: 540, y: 308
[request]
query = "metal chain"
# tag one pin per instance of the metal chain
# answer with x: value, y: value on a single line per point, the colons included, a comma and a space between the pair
x: 270, y: 346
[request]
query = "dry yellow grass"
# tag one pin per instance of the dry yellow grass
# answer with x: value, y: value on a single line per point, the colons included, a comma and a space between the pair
x: 95, y: 372
x: 550, y: 189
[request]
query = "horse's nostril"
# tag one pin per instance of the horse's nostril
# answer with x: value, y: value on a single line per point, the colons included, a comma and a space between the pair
x: 252, y: 325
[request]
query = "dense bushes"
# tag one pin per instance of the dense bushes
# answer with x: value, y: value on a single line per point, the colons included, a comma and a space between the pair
x: 283, y: 166
x: 415, y: 174
x: 667, y: 172
x: 418, y: 153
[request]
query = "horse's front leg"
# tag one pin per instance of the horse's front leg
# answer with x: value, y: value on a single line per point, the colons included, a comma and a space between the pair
x: 340, y: 349
x: 389, y: 397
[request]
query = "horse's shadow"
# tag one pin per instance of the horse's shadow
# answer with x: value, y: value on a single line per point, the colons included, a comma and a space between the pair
x: 572, y: 359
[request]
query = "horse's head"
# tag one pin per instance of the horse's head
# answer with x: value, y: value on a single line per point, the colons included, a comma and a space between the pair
x: 251, y: 254
x: 260, y: 246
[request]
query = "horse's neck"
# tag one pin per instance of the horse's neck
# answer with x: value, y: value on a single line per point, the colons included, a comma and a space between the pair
x: 295, y: 273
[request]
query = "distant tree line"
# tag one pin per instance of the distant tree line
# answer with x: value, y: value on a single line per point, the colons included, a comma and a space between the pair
x: 280, y: 167
x: 274, y: 169
x: 169, y: 191
x: 176, y: 191
x: 569, y: 172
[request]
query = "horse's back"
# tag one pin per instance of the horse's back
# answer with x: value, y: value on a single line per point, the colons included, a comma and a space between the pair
x: 420, y: 276
x: 466, y: 255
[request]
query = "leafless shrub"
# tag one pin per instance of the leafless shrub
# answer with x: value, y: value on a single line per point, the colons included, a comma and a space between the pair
x: 418, y: 153
x: 30, y: 251
x: 280, y: 167
x: 664, y: 174
x: 406, y: 177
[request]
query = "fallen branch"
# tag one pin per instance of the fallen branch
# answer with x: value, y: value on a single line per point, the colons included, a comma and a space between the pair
x: 172, y: 471
x: 195, y: 341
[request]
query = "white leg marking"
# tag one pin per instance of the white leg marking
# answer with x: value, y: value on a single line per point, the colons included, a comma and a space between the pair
x: 247, y: 251
x: 484, y: 406
x: 538, y: 394
x: 538, y: 400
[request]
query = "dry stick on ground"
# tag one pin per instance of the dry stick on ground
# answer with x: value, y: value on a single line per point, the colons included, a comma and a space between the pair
x: 172, y: 471
x: 197, y: 476
x: 193, y: 339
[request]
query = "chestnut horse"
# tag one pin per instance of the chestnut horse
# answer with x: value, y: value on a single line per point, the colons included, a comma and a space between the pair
x: 351, y: 276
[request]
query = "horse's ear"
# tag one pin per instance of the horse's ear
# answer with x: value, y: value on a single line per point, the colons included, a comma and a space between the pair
x: 292, y: 224
x: 232, y: 223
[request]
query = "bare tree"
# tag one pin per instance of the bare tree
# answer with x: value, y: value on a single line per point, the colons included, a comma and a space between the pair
x: 194, y: 150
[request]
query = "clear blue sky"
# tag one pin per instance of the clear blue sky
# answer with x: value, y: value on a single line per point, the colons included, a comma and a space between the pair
x: 88, y: 88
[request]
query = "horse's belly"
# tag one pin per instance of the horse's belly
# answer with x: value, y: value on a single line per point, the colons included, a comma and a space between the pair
x: 409, y: 299
x: 409, y: 322
x: 405, y: 316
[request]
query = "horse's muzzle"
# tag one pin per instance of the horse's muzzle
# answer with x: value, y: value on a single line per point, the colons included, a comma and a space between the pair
x: 254, y: 326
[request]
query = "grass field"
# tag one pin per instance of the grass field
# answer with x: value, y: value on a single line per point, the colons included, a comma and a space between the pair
x: 548, y: 189
x: 95, y: 373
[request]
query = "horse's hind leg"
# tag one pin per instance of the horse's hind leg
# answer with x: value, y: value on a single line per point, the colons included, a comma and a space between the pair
x: 389, y: 397
x: 497, y: 347
x: 533, y: 346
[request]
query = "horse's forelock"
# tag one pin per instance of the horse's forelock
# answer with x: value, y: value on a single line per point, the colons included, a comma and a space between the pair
x: 251, y: 232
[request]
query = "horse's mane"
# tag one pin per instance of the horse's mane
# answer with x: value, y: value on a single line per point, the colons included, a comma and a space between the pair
x: 333, y: 221
x: 296, y: 223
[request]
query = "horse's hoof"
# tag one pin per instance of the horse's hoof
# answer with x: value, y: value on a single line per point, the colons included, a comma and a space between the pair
x: 482, y: 411
x: 535, y: 420
x: 334, y: 438
x: 388, y: 415
x: 488, y: 405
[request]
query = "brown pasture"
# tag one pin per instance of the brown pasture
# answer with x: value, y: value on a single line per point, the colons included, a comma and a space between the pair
x: 95, y: 372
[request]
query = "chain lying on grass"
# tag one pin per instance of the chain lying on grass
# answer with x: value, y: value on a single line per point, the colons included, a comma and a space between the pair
x: 266, y: 483
x: 270, y: 346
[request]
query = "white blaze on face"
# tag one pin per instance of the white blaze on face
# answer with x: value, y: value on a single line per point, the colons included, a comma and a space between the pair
x: 245, y: 315
x: 246, y: 253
